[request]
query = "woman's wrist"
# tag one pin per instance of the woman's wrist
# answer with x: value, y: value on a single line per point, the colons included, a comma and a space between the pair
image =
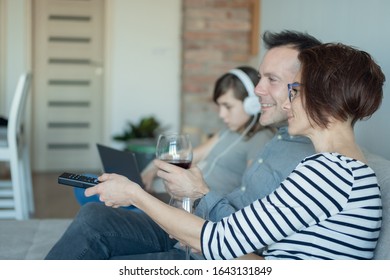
x: 135, y: 195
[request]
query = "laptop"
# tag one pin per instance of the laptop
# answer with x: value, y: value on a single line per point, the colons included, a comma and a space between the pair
x: 120, y: 162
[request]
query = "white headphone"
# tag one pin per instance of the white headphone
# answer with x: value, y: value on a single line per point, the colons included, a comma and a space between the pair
x: 251, y: 102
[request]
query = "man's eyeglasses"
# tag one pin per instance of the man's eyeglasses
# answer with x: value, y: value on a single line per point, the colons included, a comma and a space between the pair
x: 292, y: 91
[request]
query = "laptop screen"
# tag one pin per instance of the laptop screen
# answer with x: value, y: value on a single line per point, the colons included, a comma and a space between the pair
x: 120, y: 162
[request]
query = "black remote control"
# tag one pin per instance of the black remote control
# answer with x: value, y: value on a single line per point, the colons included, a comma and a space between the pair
x: 76, y: 180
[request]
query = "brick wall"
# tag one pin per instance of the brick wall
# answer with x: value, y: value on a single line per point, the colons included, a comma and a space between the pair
x: 216, y: 37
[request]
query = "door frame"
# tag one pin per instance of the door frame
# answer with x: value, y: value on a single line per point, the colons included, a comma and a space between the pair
x: 107, y: 62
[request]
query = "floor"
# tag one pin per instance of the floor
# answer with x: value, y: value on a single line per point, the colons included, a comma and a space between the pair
x: 53, y: 200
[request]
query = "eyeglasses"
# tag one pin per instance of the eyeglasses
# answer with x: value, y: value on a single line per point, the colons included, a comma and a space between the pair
x: 292, y: 91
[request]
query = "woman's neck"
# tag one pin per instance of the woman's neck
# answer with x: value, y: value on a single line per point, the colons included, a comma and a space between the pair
x: 339, y: 137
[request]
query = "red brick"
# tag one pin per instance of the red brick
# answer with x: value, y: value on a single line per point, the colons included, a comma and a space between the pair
x: 216, y: 37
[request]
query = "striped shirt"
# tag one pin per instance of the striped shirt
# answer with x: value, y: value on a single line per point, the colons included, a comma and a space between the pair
x: 329, y: 207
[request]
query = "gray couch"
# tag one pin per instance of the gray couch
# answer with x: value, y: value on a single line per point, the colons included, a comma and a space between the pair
x: 381, y: 167
x: 32, y: 239
x: 29, y: 239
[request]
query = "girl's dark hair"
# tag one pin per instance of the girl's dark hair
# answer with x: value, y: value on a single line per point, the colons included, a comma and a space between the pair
x: 231, y: 81
x: 340, y: 81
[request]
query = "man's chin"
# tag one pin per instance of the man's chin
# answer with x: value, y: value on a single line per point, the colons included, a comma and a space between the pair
x: 272, y: 123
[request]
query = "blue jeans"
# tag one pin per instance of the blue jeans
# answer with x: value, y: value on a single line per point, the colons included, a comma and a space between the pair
x: 101, y: 232
x: 82, y: 199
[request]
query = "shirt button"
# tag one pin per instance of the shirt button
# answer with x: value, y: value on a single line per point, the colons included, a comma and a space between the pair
x: 260, y: 160
x: 243, y: 188
x: 279, y: 137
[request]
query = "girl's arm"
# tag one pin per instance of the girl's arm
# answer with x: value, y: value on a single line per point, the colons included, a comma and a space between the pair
x: 201, y: 151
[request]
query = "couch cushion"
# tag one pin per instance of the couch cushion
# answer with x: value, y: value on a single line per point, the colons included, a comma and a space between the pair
x: 29, y: 239
x: 381, y: 167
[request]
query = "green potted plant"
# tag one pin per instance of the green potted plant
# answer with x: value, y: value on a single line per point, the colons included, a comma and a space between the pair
x: 141, y: 138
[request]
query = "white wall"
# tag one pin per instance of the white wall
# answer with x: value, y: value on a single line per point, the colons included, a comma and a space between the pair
x: 144, y: 48
x: 16, y: 48
x: 361, y: 23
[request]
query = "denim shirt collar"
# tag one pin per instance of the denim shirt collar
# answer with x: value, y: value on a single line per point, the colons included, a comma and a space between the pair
x: 282, y: 134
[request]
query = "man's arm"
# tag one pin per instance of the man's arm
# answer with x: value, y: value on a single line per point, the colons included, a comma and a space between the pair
x: 212, y: 205
x: 179, y: 181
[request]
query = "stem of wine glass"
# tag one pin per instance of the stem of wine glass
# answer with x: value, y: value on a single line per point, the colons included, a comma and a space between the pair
x: 187, y: 204
x: 188, y: 253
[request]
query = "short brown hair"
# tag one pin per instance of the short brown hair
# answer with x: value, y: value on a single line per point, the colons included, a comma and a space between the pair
x: 340, y: 81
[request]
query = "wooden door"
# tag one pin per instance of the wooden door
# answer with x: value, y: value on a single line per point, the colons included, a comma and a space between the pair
x: 68, y: 84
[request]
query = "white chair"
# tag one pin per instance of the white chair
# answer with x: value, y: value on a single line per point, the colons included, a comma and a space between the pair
x: 16, y: 195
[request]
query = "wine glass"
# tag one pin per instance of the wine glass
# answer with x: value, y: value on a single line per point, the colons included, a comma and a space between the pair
x: 177, y: 149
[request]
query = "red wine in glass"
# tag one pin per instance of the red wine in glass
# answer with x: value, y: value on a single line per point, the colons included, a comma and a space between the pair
x: 186, y: 164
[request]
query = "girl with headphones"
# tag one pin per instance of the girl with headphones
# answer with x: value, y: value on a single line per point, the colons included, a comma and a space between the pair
x: 224, y: 157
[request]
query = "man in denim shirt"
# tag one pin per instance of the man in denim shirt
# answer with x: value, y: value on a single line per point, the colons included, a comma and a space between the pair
x: 281, y: 154
x: 101, y: 232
